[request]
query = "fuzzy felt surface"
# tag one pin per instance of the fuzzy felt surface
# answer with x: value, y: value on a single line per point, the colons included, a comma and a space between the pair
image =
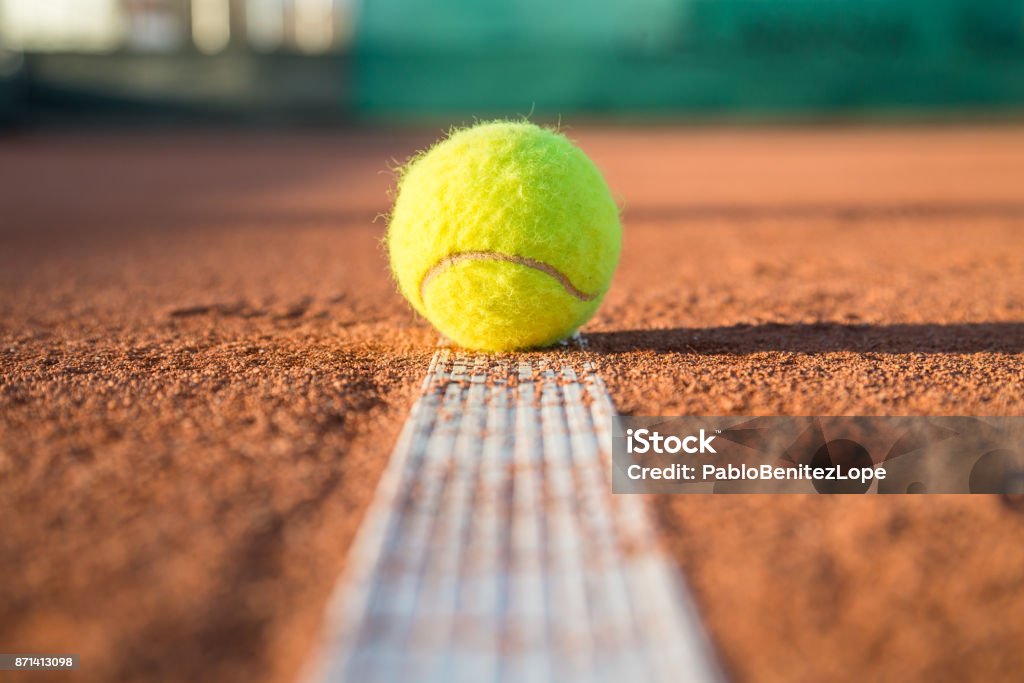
x: 497, y: 305
x: 504, y: 189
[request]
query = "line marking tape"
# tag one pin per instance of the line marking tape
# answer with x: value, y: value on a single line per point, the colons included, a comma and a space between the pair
x: 494, y: 549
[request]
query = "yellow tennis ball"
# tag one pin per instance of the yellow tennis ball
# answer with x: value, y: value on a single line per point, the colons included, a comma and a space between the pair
x: 504, y: 236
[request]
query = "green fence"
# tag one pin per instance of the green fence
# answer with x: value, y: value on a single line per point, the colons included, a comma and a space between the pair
x: 698, y: 56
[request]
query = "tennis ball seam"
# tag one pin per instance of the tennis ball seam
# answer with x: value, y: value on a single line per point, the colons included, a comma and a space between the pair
x: 466, y: 256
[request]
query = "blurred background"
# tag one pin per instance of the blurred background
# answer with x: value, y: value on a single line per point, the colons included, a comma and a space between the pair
x: 204, y: 363
x: 325, y: 61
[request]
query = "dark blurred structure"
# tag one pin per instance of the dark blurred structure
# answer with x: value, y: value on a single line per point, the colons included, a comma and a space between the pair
x: 174, y: 60
x: 330, y: 60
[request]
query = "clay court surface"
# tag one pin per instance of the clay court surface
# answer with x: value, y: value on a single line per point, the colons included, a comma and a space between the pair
x: 204, y: 365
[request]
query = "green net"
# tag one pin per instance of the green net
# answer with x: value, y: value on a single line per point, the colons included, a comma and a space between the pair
x: 465, y: 56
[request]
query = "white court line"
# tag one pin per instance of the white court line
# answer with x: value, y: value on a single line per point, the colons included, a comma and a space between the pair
x: 495, y: 551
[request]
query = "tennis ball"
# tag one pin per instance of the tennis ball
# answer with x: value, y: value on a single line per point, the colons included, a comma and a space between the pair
x: 504, y: 236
